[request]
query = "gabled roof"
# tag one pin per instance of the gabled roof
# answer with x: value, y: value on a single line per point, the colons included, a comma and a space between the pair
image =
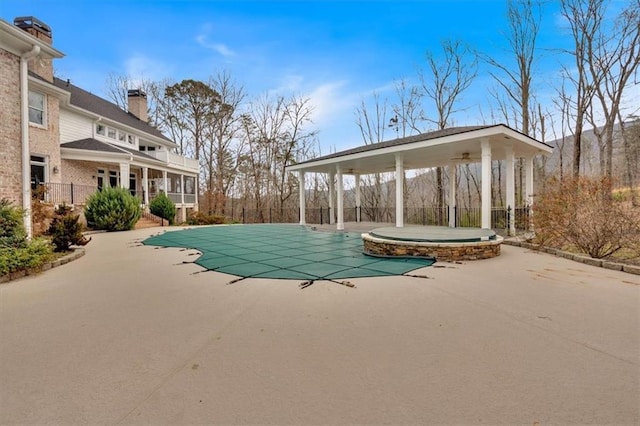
x: 432, y: 149
x: 399, y: 141
x: 95, y: 104
x: 90, y: 144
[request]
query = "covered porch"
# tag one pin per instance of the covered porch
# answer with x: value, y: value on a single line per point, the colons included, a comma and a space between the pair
x: 448, y: 148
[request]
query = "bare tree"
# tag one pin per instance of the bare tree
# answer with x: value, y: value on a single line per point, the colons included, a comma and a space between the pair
x: 584, y: 18
x: 448, y: 76
x: 612, y: 56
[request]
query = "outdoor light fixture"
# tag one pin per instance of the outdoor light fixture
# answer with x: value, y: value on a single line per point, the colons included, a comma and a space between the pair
x: 55, y: 170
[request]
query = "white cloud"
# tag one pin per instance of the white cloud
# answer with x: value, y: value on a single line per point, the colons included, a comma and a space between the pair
x: 141, y: 67
x: 220, y: 48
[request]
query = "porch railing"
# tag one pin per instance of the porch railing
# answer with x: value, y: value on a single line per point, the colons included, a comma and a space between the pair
x: 68, y: 193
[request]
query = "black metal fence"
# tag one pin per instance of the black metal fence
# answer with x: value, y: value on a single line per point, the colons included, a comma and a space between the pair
x: 433, y: 216
x: 68, y: 193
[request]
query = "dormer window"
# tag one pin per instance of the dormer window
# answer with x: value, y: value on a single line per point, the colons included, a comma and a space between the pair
x: 122, y: 137
x: 101, y: 129
x: 111, y: 132
x: 131, y: 139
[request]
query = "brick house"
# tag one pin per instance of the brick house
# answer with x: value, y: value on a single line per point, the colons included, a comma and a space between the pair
x: 56, y: 134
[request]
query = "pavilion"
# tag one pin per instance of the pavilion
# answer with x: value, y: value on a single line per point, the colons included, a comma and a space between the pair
x: 447, y: 147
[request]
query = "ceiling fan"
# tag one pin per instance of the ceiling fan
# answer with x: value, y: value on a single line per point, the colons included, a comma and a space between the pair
x: 465, y: 157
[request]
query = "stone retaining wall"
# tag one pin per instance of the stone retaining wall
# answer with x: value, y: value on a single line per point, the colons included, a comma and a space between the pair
x: 441, y: 251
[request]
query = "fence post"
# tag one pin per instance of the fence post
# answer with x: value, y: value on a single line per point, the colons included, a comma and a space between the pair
x: 71, y: 193
x: 455, y: 216
x: 320, y: 215
x: 243, y: 215
x: 269, y: 214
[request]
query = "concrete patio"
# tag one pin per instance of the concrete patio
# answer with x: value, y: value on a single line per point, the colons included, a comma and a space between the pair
x: 129, y: 335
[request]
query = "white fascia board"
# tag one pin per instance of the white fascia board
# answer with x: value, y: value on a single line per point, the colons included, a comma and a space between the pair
x: 97, y: 156
x: 520, y: 137
x: 160, y: 165
x: 114, y: 123
x: 18, y: 42
x: 48, y: 88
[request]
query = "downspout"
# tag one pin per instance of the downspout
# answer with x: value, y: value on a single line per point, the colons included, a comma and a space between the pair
x: 24, y: 110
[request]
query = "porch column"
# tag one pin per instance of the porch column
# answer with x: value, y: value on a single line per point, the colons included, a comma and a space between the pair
x: 182, y: 189
x: 340, y: 224
x: 485, y: 213
x: 124, y: 175
x: 358, y: 216
x: 399, y: 191
x: 165, y: 183
x: 528, y: 182
x: 452, y: 195
x: 332, y: 190
x: 145, y: 185
x: 511, y: 193
x: 196, y: 192
x: 302, y: 197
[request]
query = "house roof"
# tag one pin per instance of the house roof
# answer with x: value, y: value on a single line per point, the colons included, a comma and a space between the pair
x: 90, y: 144
x: 90, y: 102
x: 432, y: 149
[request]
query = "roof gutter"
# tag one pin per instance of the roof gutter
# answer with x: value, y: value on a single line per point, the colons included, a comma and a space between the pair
x: 24, y: 122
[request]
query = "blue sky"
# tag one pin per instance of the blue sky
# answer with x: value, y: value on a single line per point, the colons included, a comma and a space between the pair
x: 335, y: 52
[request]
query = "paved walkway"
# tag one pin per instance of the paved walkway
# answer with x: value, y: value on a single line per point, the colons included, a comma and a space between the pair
x: 129, y: 335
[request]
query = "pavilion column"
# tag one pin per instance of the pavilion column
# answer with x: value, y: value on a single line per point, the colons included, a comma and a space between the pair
x: 399, y: 191
x: 528, y: 182
x: 358, y: 216
x: 452, y: 195
x: 302, y: 197
x: 511, y: 193
x: 145, y: 185
x: 340, y: 224
x: 332, y: 190
x: 485, y: 213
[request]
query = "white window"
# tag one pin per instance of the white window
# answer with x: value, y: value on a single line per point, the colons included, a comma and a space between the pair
x: 131, y: 139
x: 122, y: 136
x: 111, y: 132
x: 37, y: 108
x: 101, y: 129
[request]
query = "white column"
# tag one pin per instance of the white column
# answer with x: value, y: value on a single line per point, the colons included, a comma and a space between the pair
x: 196, y: 190
x: 124, y: 175
x: 358, y: 216
x: 302, y: 196
x: 332, y: 190
x: 485, y: 213
x: 452, y: 195
x: 165, y: 183
x: 340, y: 200
x: 399, y: 191
x: 145, y: 185
x: 511, y: 192
x: 182, y: 189
x: 528, y: 179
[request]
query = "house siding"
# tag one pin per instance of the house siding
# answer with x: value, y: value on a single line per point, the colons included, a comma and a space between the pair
x: 74, y: 126
x: 10, y: 140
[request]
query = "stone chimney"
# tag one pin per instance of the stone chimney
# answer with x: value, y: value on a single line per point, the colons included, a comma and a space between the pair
x: 41, y: 31
x: 138, y: 104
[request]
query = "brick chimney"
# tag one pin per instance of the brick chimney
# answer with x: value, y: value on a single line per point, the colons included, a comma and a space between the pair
x: 138, y: 104
x: 41, y: 31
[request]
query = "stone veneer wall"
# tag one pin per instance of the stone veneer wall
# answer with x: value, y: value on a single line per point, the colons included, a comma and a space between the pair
x: 440, y: 251
x: 10, y: 141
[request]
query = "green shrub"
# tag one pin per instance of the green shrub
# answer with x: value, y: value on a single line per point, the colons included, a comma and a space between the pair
x: 201, y: 218
x: 112, y: 209
x: 12, y: 232
x: 163, y: 207
x: 65, y: 229
x: 30, y: 256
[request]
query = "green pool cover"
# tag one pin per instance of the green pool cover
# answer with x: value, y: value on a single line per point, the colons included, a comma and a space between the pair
x: 284, y: 252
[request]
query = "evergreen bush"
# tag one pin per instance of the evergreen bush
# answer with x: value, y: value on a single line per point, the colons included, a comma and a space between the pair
x: 65, y: 229
x: 16, y: 253
x: 163, y: 207
x: 112, y: 209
